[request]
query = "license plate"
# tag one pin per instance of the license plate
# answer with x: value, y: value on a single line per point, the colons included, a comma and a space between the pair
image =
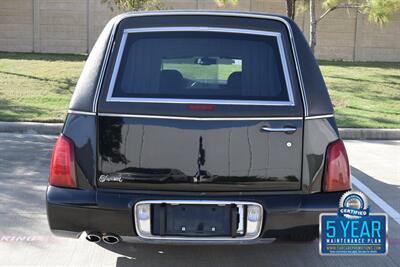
x: 194, y: 220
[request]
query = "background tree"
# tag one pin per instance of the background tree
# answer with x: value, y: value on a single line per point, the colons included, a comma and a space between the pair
x: 378, y: 11
x: 221, y: 3
x: 291, y: 9
x: 134, y: 5
x: 143, y: 5
x: 290, y: 6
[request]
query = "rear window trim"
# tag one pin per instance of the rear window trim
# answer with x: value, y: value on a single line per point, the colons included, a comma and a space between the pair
x: 166, y: 100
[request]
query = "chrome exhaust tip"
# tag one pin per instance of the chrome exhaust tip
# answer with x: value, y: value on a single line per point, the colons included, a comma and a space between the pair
x: 94, y: 237
x: 111, y: 239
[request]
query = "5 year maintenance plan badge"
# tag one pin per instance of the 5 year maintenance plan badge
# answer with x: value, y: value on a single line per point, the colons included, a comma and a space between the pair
x: 353, y: 230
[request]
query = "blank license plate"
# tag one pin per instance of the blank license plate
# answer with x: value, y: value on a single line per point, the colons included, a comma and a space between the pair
x: 194, y: 220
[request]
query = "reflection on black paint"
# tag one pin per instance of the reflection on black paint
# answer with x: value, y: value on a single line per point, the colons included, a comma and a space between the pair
x: 201, y: 160
x: 133, y: 174
x: 149, y: 175
x: 111, y: 140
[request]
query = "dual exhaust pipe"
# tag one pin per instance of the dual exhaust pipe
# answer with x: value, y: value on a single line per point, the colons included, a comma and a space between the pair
x: 96, y: 237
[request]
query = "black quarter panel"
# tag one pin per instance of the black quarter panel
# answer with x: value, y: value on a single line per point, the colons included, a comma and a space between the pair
x: 318, y: 134
x: 81, y: 130
x: 318, y: 100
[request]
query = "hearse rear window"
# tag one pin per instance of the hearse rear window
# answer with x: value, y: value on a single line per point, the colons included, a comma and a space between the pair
x: 200, y: 65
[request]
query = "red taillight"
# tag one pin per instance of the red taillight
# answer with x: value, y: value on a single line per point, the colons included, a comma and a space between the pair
x: 62, y: 166
x: 337, y: 170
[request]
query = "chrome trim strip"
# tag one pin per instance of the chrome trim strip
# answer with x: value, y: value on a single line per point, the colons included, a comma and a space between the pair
x: 122, y: 48
x: 289, y: 87
x: 71, y: 111
x: 202, y: 29
x: 205, y: 13
x: 276, y: 130
x: 198, y: 101
x: 320, y: 117
x: 240, y: 229
x: 116, y: 67
x: 198, y: 118
x: 198, y: 202
x: 103, y: 67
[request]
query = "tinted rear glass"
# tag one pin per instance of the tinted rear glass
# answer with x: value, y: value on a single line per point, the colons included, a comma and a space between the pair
x: 201, y: 65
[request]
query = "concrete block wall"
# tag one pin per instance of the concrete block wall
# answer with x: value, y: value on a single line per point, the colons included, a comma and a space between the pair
x: 99, y: 14
x: 63, y: 26
x: 16, y: 29
x: 378, y: 44
x: 72, y: 26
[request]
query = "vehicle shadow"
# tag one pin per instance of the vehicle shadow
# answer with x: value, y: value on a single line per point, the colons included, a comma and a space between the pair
x: 218, y: 255
x: 277, y: 253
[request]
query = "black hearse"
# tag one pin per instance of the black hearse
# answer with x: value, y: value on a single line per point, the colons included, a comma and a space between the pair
x: 197, y: 126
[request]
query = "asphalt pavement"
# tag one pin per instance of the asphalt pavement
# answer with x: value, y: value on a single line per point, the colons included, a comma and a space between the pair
x: 25, y: 239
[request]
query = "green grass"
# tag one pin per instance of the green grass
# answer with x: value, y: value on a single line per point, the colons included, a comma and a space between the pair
x: 364, y: 94
x: 37, y: 87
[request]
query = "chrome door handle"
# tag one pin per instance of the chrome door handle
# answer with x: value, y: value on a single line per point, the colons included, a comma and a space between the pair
x: 276, y: 130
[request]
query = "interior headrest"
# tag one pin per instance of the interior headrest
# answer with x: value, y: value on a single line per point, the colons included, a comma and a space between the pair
x: 170, y: 81
x: 235, y: 80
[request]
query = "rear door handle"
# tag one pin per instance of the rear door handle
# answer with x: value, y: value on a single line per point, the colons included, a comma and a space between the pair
x: 277, y: 130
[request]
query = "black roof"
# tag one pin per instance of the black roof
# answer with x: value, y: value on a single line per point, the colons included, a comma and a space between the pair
x: 315, y: 96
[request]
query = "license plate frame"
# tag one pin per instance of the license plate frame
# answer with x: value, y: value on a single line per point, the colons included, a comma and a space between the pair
x: 191, y: 220
x: 143, y: 224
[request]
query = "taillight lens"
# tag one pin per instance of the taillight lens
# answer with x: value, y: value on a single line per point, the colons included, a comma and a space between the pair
x: 62, y: 165
x: 337, y: 169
